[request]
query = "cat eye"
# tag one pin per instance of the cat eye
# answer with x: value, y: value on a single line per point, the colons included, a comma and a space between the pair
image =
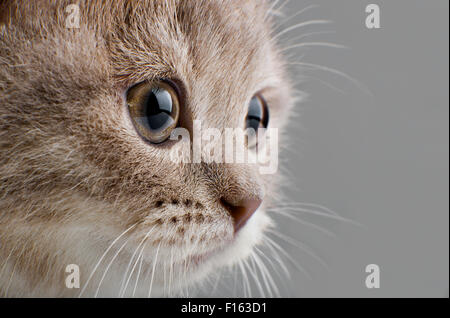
x: 257, y: 117
x: 154, y: 110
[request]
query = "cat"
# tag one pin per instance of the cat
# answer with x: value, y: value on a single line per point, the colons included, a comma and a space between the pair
x: 86, y: 181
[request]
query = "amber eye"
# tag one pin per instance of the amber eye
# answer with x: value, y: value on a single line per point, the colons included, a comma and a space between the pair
x: 257, y: 117
x: 154, y: 109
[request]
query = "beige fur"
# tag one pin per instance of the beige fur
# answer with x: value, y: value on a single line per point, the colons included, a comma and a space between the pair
x: 74, y: 174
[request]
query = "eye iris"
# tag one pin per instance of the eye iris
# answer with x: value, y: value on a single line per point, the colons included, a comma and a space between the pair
x: 154, y: 110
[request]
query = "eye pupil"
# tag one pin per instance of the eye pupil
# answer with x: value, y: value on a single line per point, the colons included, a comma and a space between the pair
x: 257, y: 117
x: 253, y: 123
x: 159, y: 109
x: 255, y: 109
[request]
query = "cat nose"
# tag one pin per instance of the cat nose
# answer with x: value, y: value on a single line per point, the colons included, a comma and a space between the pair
x: 240, y: 210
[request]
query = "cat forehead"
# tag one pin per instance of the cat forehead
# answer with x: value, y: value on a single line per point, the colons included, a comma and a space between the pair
x: 156, y: 38
x: 221, y: 50
x: 211, y: 39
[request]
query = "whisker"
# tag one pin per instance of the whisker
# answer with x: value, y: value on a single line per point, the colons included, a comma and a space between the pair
x: 10, y: 280
x: 336, y: 72
x: 268, y: 277
x: 216, y: 283
x: 280, y: 8
x: 124, y: 286
x: 310, y: 44
x: 263, y: 276
x: 319, y: 213
x: 153, y: 270
x: 299, y: 25
x: 246, y: 282
x: 235, y: 283
x: 284, y: 268
x: 302, y: 246
x: 122, y: 293
x: 245, y: 262
x: 108, y: 266
x: 164, y: 278
x: 327, y: 84
x: 270, y: 10
x: 139, y: 270
x: 310, y: 205
x: 13, y: 272
x: 303, y: 222
x: 7, y: 258
x: 170, y: 271
x: 305, y: 35
x: 277, y: 257
x: 103, y: 256
x: 274, y: 245
x: 255, y: 276
x: 300, y: 12
x: 185, y: 274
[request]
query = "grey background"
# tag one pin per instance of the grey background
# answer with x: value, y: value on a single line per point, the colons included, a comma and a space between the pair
x: 381, y: 159
x: 378, y: 158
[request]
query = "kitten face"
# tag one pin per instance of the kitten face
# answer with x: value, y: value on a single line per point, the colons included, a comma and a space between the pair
x: 77, y: 179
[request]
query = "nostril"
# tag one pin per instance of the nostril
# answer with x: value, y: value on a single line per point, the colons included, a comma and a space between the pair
x: 241, y: 211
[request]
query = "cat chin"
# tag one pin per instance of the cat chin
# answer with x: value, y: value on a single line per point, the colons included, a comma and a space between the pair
x: 246, y: 239
x: 204, y: 266
x: 238, y: 250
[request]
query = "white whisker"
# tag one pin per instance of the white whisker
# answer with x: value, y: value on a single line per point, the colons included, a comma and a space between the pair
x: 300, y: 12
x: 336, y: 72
x: 124, y: 286
x: 305, y: 35
x: 285, y: 254
x: 141, y: 256
x: 270, y: 262
x: 299, y: 25
x: 302, y: 246
x: 319, y: 213
x: 247, y: 292
x: 108, y: 266
x: 270, y: 10
x: 267, y: 277
x: 103, y: 256
x: 303, y: 222
x: 310, y: 44
x: 255, y: 276
x: 153, y: 270
x: 282, y: 6
x: 170, y: 272
x: 277, y: 257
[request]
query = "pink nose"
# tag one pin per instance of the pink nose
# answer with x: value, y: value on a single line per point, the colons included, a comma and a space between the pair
x: 241, y: 210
